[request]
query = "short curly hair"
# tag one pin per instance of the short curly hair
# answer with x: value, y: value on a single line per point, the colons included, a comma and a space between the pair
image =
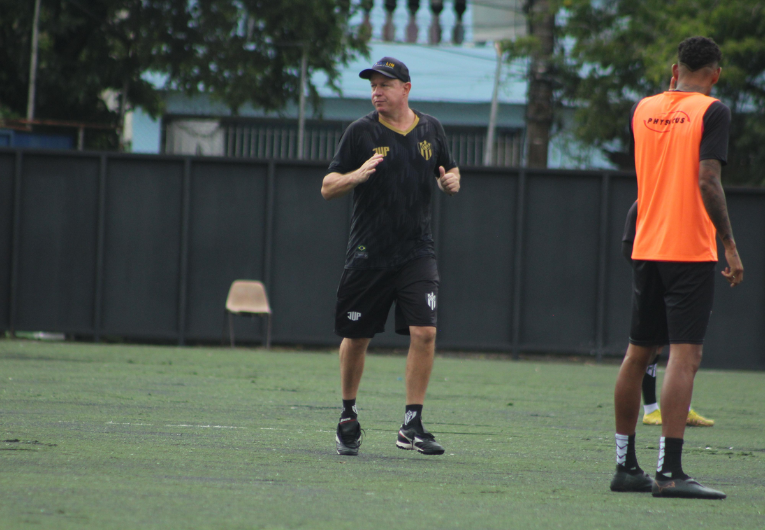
x: 698, y: 52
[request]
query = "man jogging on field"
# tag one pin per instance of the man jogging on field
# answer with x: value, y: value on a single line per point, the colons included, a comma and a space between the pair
x: 681, y: 142
x: 391, y: 159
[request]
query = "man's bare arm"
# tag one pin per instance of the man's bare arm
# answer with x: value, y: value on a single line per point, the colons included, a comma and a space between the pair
x: 336, y: 185
x: 714, y: 198
x: 713, y: 195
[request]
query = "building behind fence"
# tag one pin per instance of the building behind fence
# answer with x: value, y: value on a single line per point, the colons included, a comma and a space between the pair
x: 279, y: 140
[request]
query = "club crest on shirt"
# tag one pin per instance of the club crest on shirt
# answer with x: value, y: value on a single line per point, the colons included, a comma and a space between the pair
x: 381, y: 150
x: 426, y: 150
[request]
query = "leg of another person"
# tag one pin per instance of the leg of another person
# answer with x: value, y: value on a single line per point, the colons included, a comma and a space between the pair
x: 651, y: 412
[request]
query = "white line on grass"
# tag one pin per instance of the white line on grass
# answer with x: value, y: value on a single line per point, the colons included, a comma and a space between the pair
x: 181, y: 425
x: 206, y: 426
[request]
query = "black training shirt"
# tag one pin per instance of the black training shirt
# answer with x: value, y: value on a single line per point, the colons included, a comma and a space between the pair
x: 629, y: 224
x: 391, y: 211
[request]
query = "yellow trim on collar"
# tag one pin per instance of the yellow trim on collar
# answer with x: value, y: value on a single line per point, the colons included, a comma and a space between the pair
x: 399, y: 131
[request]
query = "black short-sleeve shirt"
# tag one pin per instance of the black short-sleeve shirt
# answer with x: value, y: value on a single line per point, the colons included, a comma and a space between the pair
x: 629, y: 224
x: 390, y: 224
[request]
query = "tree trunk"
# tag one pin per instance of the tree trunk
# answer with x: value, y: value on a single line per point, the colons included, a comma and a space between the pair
x: 539, y: 108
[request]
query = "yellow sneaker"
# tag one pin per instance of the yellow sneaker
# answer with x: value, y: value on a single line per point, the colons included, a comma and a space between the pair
x: 654, y: 418
x: 697, y: 420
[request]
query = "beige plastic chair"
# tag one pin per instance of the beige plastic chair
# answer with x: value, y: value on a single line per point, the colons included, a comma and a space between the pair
x: 247, y: 297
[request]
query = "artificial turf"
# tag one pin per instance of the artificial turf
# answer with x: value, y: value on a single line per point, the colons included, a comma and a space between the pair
x: 123, y: 436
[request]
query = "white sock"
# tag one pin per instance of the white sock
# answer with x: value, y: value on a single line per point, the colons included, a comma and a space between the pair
x: 647, y: 409
x: 621, y: 449
x: 661, y: 455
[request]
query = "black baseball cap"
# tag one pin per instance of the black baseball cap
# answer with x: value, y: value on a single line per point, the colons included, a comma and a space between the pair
x: 389, y: 67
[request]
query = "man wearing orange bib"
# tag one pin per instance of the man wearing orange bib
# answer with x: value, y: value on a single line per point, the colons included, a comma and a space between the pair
x: 681, y: 143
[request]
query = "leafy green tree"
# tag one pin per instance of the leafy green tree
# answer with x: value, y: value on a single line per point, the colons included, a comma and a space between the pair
x: 249, y: 51
x: 236, y: 51
x: 538, y: 45
x: 82, y: 53
x: 614, y: 52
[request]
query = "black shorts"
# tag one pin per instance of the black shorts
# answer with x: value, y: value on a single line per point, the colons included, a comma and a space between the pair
x: 364, y: 298
x: 671, y: 301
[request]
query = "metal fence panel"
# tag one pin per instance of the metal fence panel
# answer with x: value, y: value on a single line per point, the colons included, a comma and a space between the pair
x: 560, y: 273
x: 59, y: 209
x: 310, y: 236
x: 618, y: 299
x: 736, y: 333
x: 142, y: 252
x: 476, y: 244
x: 7, y: 169
x: 226, y: 242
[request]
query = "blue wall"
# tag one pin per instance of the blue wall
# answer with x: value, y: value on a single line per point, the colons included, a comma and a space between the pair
x: 10, y: 138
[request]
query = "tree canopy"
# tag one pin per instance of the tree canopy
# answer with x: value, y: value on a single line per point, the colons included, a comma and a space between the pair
x: 249, y: 51
x: 611, y: 54
x: 237, y: 51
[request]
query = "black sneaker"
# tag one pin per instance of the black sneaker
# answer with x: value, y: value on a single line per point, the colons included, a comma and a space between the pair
x: 683, y: 487
x: 348, y: 437
x: 416, y: 437
x: 635, y: 481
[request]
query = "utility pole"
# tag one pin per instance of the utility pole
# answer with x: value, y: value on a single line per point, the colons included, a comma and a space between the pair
x: 301, y: 111
x: 33, y: 63
x: 488, y: 156
x: 123, y: 112
x: 497, y: 22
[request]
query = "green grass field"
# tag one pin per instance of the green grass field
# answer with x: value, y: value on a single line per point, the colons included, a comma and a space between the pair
x: 114, y: 436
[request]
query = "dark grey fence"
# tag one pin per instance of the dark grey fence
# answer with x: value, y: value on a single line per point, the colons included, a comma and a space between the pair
x: 145, y: 247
